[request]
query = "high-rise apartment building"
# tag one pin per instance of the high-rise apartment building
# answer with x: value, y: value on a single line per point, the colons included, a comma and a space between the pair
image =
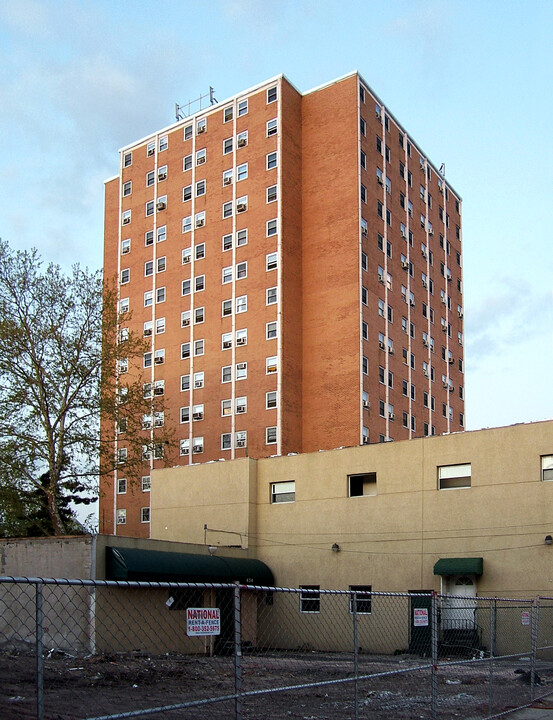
x: 294, y: 262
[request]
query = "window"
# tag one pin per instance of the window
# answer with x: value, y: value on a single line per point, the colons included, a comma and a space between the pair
x: 227, y: 177
x: 199, y: 347
x: 187, y: 163
x: 242, y: 172
x: 162, y: 173
x: 198, y: 412
x: 199, y: 315
x: 188, y: 132
x: 161, y: 233
x: 361, y: 595
x: 148, y: 268
x: 199, y: 379
x: 187, y: 224
x: 148, y: 298
x: 226, y: 407
x: 161, y: 264
x: 271, y: 365
x: 125, y: 276
x: 226, y: 373
x: 185, y: 287
x: 151, y: 148
x: 121, y: 486
x: 241, y: 439
x: 127, y: 188
x: 242, y: 304
x: 145, y: 514
x: 199, y: 251
x: 184, y: 382
x: 272, y: 261
x: 163, y: 143
x: 199, y: 283
x: 270, y: 330
x: 160, y: 295
x: 150, y: 208
x: 270, y: 400
x: 127, y: 160
x: 228, y: 114
x: 271, y: 296
x: 201, y: 156
x: 200, y: 188
x: 363, y: 194
x: 184, y: 447
x: 149, y: 238
x: 226, y: 441
x: 159, y: 387
x: 363, y: 126
x: 242, y: 139
x: 227, y: 146
x: 185, y: 351
x: 270, y: 435
x: 310, y: 599
x: 159, y: 357
x: 241, y: 371
x: 199, y: 220
x: 242, y: 204
x: 454, y: 476
x: 272, y: 95
x: 271, y: 160
x: 201, y: 126
x: 272, y: 127
x: 198, y: 445
x: 283, y: 492
x: 546, y: 467
x: 122, y: 455
x: 362, y: 484
x: 272, y: 194
x: 226, y: 308
x: 227, y: 209
x: 121, y: 517
x: 147, y: 360
x: 146, y: 483
x: 272, y: 227
x: 150, y: 178
x: 242, y: 108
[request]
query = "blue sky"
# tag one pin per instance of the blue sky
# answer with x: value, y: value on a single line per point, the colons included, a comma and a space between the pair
x: 470, y: 80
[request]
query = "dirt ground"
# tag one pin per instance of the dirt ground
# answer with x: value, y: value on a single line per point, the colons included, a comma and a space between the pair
x: 99, y: 685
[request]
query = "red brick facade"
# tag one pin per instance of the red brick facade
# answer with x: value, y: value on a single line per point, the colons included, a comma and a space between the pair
x: 317, y: 315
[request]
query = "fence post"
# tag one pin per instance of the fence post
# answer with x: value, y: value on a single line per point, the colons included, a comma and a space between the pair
x: 493, y: 618
x: 237, y: 654
x: 39, y: 653
x: 353, y: 599
x: 434, y: 631
x: 535, y: 610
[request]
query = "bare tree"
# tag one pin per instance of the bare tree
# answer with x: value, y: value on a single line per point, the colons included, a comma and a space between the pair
x: 59, y: 351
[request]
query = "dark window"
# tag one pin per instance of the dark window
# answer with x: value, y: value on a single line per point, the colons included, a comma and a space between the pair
x: 362, y: 598
x: 310, y: 599
x: 362, y: 484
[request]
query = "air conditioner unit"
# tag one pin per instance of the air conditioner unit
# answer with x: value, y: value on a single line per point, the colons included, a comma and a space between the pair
x: 227, y: 181
x: 159, y: 360
x: 242, y: 142
x: 126, y: 220
x: 146, y: 425
x: 200, y: 222
x: 151, y: 151
x: 449, y: 278
x: 430, y: 231
x: 186, y: 260
x: 198, y: 384
x: 378, y: 115
x: 444, y: 328
x: 391, y: 416
x: 197, y: 416
x: 366, y: 404
x: 161, y: 205
x: 227, y: 344
x: 241, y: 207
x: 381, y: 345
x: 162, y: 176
x: 381, y: 279
x: 159, y: 391
x: 241, y: 366
x: 125, y: 250
x: 240, y: 443
x: 444, y: 300
x: 425, y: 373
x: 412, y: 303
x: 147, y: 332
x: 450, y: 361
x: 241, y: 341
x: 185, y: 451
x: 424, y: 254
x: 460, y: 313
x: 405, y: 264
x: 365, y: 441
x: 197, y: 448
x: 364, y: 232
x: 201, y: 130
x: 442, y: 189
x: 390, y: 349
x: 272, y: 369
x: 445, y: 386
x: 425, y: 343
x: 200, y: 160
x: 240, y: 409
x: 424, y: 284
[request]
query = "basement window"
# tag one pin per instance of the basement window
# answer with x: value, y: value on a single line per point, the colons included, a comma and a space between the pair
x: 283, y: 492
x: 362, y: 484
x: 310, y: 599
x: 454, y: 476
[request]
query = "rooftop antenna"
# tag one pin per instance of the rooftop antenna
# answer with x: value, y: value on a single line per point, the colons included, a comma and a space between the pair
x: 442, y: 169
x: 183, y: 111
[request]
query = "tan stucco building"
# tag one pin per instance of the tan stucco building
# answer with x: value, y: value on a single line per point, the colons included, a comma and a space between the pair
x: 467, y: 513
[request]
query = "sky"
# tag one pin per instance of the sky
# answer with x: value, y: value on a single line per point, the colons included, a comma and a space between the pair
x: 470, y: 80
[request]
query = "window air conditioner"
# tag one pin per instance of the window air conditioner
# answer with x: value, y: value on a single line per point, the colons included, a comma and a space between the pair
x: 444, y: 300
x: 450, y: 360
x: 197, y: 416
x: 159, y: 360
x: 425, y: 373
x: 186, y: 323
x: 412, y: 303
x: 200, y: 222
x: 198, y: 384
x: 126, y: 220
x: 445, y: 386
x: 241, y: 366
x: 444, y: 328
x: 197, y: 448
x: 161, y: 205
x: 460, y: 313
x: 227, y: 181
x: 159, y: 391
x: 184, y: 451
x: 201, y: 160
x: 241, y: 142
x: 390, y: 350
x: 146, y: 425
x: 201, y: 130
x: 186, y: 260
x: 366, y: 404
x: 379, y: 180
x: 125, y: 250
x: 240, y: 409
x: 425, y: 343
x: 241, y: 207
x: 364, y: 232
x: 391, y: 416
x: 404, y: 264
x: 381, y: 345
x: 147, y: 332
x: 365, y: 441
x: 227, y: 344
x: 241, y: 341
x: 162, y: 176
x: 424, y: 284
x: 151, y: 151
x: 240, y: 443
x: 403, y: 234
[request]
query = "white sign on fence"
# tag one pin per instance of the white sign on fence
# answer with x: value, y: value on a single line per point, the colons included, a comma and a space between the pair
x: 203, y: 621
x: 420, y: 617
x: 525, y: 617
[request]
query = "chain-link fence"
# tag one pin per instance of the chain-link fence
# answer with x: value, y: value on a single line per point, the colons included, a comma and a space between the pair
x: 103, y: 649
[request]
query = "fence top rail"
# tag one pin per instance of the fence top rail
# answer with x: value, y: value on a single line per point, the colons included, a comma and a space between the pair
x: 478, y: 598
x: 23, y: 580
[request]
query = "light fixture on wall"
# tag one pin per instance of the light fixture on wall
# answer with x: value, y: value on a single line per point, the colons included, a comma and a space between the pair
x: 548, y: 540
x: 212, y: 549
x: 336, y: 548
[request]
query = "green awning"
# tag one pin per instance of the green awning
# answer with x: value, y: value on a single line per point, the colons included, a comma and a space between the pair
x: 459, y: 566
x: 155, y: 565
